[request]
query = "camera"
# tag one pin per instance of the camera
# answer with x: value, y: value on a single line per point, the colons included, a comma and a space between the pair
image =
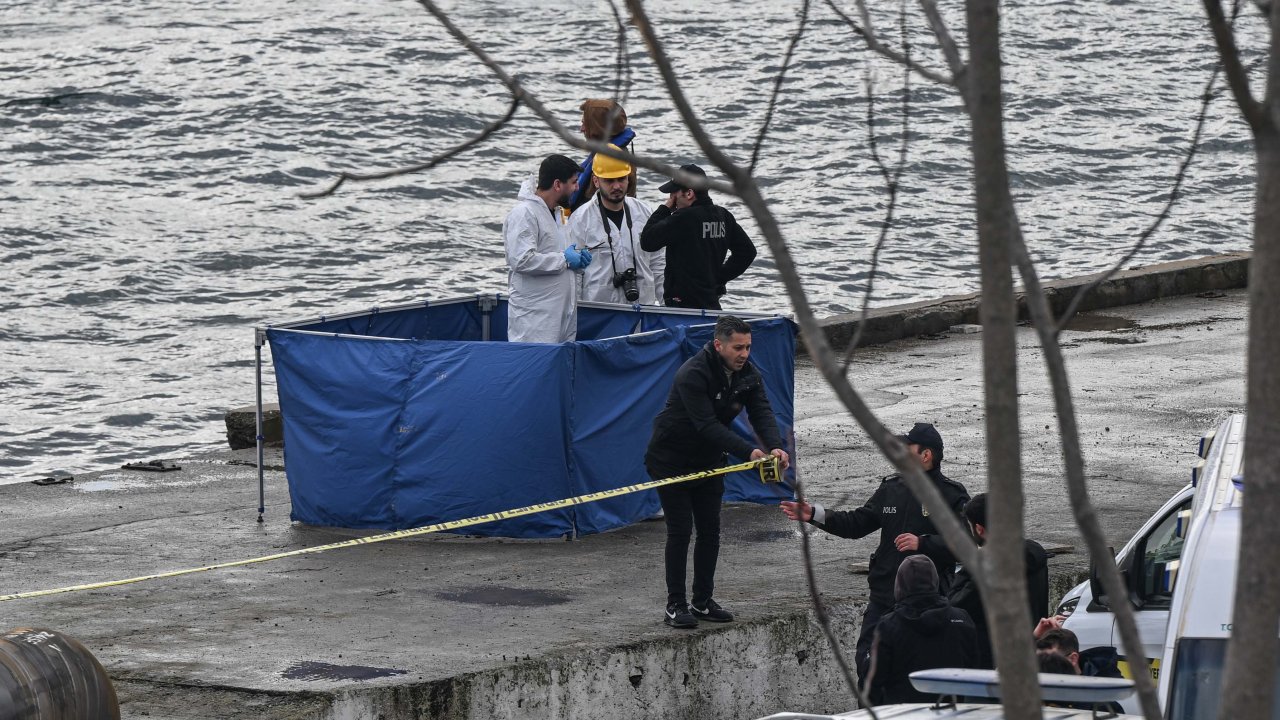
x: 627, y: 281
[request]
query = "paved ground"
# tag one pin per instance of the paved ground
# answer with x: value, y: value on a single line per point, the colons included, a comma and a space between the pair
x: 1148, y: 379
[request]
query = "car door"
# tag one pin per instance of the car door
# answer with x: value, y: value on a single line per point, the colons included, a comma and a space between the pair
x: 1153, y: 573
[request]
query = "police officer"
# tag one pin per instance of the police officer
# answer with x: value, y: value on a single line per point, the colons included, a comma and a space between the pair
x: 904, y: 525
x: 698, y: 236
x: 691, y: 434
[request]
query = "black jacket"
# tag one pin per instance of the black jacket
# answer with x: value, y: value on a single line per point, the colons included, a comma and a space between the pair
x: 691, y: 433
x: 894, y: 510
x: 697, y: 239
x: 922, y: 632
x: 964, y: 595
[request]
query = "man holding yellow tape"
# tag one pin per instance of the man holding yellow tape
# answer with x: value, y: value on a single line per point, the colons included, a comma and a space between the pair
x: 691, y: 434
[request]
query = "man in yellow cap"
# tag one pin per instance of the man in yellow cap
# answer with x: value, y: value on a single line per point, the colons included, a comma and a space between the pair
x: 609, y: 225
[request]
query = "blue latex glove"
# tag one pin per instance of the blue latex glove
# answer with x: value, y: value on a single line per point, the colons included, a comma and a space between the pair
x: 577, y: 259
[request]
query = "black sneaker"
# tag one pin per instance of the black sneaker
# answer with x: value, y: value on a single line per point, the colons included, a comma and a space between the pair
x: 711, y: 612
x: 678, y: 616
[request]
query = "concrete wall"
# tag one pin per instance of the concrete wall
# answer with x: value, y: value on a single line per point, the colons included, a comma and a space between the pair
x: 1128, y: 287
x: 739, y: 670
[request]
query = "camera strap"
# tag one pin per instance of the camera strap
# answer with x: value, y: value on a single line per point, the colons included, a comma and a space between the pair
x: 604, y: 219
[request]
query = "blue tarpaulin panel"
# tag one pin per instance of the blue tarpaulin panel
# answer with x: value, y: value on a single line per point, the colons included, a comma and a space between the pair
x: 442, y: 321
x: 387, y: 429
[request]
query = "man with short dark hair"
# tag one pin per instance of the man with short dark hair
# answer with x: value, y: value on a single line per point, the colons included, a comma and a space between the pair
x: 904, y: 525
x: 692, y: 434
x: 964, y: 590
x: 1058, y: 651
x: 609, y: 225
x: 698, y: 236
x: 1094, y: 662
x: 543, y: 302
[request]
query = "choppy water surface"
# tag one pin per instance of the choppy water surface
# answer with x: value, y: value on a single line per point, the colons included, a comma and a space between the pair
x: 149, y: 216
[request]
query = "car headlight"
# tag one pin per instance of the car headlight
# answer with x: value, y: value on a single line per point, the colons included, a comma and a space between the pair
x: 1066, y: 607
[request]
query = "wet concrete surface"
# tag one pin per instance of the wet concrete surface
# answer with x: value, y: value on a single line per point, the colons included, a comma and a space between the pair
x: 275, y: 637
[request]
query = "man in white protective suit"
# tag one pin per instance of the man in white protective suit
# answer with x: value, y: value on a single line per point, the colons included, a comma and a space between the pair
x: 544, y: 266
x: 609, y: 225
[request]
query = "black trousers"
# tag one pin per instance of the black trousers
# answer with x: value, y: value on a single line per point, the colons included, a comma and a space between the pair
x: 862, y: 651
x: 690, y: 506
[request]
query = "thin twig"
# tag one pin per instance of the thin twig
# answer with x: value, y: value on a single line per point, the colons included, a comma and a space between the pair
x: 949, y: 50
x: 957, y: 536
x: 1229, y: 53
x: 622, y: 65
x: 483, y: 135
x: 873, y: 661
x: 530, y: 100
x: 1174, y: 194
x: 820, y: 608
x: 869, y: 36
x: 1073, y: 461
x: 891, y: 180
x: 777, y: 85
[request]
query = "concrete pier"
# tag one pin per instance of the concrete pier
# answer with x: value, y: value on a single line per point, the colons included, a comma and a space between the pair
x: 456, y: 627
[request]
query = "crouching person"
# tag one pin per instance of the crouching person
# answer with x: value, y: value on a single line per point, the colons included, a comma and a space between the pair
x: 922, y: 632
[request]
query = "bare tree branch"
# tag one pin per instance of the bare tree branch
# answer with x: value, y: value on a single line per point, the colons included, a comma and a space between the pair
x: 869, y: 36
x: 1077, y: 491
x: 1237, y: 77
x: 1249, y: 690
x: 777, y: 85
x: 483, y: 135
x: 744, y: 186
x: 820, y: 609
x: 521, y: 94
x: 1006, y: 589
x: 956, y: 535
x: 891, y: 183
x: 1174, y: 194
x: 948, y: 45
x: 622, y: 66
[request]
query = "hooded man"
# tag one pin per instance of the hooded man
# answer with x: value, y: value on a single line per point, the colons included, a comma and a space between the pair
x: 904, y: 525
x: 922, y: 632
x: 609, y: 226
x: 543, y: 266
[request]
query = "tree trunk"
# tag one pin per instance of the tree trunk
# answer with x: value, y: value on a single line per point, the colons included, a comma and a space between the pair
x: 1249, y: 689
x: 1003, y: 561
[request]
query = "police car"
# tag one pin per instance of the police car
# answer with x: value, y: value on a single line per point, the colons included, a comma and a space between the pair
x: 1180, y: 569
x: 950, y: 684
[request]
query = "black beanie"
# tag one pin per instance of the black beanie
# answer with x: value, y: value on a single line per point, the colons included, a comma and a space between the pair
x: 916, y: 576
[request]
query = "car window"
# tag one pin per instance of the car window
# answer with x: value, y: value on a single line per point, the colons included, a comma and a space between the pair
x: 1161, y: 554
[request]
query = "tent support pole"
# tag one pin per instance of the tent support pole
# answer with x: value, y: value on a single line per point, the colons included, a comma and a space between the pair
x: 259, y: 336
x: 487, y: 305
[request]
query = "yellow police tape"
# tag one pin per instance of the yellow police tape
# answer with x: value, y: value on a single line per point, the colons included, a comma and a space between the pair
x: 768, y: 467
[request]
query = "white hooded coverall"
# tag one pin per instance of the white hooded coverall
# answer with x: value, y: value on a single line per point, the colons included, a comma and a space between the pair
x: 543, y: 304
x: 595, y: 283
